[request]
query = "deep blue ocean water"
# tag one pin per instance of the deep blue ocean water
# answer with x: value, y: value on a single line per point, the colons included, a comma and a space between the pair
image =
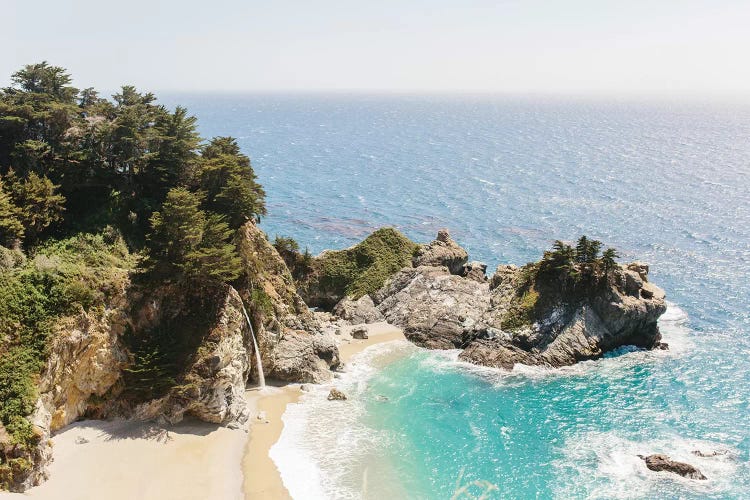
x: 665, y: 182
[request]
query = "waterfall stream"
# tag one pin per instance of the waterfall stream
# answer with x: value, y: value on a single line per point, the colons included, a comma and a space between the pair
x: 258, y: 363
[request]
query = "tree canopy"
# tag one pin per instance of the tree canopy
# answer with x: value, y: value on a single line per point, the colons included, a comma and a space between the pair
x: 580, y: 263
x: 71, y: 160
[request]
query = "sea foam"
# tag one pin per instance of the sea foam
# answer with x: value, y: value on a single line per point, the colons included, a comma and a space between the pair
x: 326, y: 447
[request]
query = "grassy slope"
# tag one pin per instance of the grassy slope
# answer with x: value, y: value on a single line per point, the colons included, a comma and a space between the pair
x: 365, y: 267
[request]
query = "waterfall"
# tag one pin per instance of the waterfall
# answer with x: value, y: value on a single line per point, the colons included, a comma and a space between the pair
x: 261, y: 377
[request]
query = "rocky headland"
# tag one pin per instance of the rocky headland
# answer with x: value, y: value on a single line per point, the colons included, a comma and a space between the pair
x: 554, y: 312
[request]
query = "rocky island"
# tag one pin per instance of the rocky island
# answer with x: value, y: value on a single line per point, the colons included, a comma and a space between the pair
x: 135, y: 281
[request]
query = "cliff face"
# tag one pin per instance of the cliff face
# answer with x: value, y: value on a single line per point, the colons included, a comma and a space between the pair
x: 85, y: 361
x: 202, y: 346
x: 523, y: 315
x: 294, y: 344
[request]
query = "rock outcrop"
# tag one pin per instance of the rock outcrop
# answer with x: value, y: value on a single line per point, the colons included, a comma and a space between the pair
x: 475, y: 270
x: 356, y: 271
x: 567, y: 331
x: 336, y: 395
x: 358, y: 311
x: 659, y: 463
x: 531, y: 315
x: 436, y: 309
x: 303, y: 357
x: 443, y: 251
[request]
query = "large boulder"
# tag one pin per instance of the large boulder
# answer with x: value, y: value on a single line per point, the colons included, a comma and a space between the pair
x: 475, y: 270
x: 436, y: 309
x: 358, y: 311
x: 303, y: 357
x: 659, y: 463
x: 443, y: 251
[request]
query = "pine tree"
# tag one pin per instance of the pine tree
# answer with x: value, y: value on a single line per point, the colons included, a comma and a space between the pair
x: 39, y: 204
x: 177, y: 228
x: 582, y: 249
x: 214, y: 258
x: 608, y: 260
x: 593, y: 251
x: 230, y: 184
x: 191, y: 243
x: 11, y: 228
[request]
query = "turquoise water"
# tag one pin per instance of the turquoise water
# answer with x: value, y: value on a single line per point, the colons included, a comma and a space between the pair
x: 666, y: 182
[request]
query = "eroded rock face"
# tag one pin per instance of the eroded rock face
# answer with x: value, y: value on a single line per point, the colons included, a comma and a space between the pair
x: 443, y: 251
x: 436, y: 309
x: 659, y: 463
x: 86, y: 357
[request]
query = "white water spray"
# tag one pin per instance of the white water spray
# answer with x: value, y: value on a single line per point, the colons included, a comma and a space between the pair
x: 261, y: 377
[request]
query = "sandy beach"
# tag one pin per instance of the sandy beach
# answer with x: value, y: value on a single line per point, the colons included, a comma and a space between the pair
x: 262, y: 478
x: 124, y: 460
x: 116, y: 460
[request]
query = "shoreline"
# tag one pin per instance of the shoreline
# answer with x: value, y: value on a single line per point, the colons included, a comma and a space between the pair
x: 262, y: 478
x: 189, y: 460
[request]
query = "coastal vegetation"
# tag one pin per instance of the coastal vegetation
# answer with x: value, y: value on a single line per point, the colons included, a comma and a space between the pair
x: 94, y: 192
x: 300, y: 264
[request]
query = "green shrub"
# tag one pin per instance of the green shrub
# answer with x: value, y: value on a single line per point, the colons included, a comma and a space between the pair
x: 364, y: 268
x: 261, y: 301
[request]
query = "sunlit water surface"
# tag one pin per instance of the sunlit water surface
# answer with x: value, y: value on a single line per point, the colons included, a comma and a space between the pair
x: 668, y: 183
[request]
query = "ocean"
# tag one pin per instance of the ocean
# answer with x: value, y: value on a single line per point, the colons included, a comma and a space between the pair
x: 666, y: 182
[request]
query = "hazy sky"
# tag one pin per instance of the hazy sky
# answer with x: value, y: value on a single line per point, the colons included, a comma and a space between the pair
x: 552, y: 46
